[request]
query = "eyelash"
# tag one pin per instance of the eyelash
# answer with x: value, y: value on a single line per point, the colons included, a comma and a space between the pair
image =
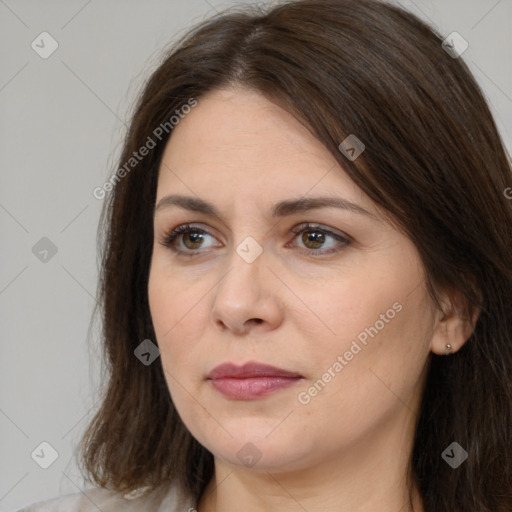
x: 169, y: 239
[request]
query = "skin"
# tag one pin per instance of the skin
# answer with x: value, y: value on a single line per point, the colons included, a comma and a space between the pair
x: 347, y: 449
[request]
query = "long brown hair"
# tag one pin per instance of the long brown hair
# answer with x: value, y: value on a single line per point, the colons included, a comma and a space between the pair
x: 434, y: 161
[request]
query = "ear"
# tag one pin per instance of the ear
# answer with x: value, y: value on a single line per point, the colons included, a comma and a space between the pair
x: 454, y: 324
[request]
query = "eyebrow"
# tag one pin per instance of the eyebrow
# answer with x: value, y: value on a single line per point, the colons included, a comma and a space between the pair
x: 281, y: 209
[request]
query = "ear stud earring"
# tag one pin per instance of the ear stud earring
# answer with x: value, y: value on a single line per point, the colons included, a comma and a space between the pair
x: 448, y: 349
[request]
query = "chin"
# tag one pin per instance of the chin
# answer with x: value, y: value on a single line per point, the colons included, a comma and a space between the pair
x: 258, y: 451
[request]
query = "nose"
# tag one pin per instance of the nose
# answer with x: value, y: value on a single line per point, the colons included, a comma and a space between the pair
x: 246, y: 298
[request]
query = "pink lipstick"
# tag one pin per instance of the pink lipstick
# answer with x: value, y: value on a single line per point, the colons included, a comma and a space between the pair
x: 250, y: 381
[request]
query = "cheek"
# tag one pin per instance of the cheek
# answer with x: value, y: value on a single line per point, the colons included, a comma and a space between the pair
x: 340, y: 313
x: 171, y: 300
x: 177, y: 311
x: 378, y: 320
x: 161, y: 303
x: 381, y: 362
x: 172, y: 315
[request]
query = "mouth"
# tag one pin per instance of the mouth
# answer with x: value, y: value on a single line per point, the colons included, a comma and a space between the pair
x: 250, y: 381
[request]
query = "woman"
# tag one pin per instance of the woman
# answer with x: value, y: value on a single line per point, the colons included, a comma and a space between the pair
x: 307, y: 276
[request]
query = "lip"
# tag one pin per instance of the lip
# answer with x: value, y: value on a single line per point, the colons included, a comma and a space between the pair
x: 249, y: 370
x: 250, y: 381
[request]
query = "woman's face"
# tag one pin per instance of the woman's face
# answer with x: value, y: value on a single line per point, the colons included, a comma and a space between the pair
x: 334, y: 294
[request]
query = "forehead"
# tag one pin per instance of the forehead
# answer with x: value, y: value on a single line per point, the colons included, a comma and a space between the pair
x: 234, y: 124
x: 238, y: 139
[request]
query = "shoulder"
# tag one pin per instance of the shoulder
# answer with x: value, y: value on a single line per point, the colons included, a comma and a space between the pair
x: 164, y: 498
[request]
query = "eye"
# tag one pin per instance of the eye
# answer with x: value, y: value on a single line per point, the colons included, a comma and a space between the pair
x: 318, y: 240
x: 186, y: 239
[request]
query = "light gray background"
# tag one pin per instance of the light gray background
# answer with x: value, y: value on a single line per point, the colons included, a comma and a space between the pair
x: 61, y: 125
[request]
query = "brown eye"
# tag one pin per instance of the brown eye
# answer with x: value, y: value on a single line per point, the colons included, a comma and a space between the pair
x: 188, y: 240
x: 313, y: 239
x: 317, y: 241
x: 193, y: 239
